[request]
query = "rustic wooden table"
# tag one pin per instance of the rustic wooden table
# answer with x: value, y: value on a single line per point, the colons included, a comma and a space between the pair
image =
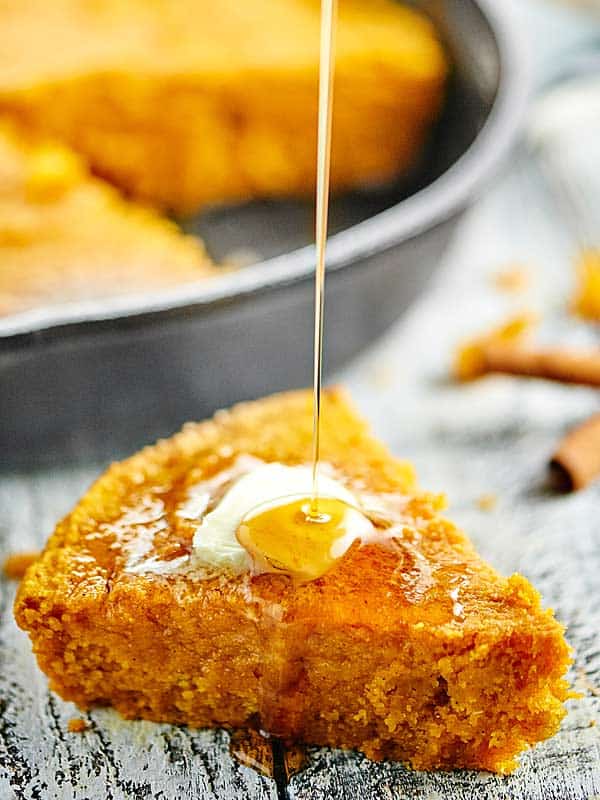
x: 493, y: 437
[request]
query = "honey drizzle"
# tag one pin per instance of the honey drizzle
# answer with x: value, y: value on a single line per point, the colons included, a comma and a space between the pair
x: 266, y: 754
x: 286, y: 539
x: 269, y: 705
x: 326, y: 76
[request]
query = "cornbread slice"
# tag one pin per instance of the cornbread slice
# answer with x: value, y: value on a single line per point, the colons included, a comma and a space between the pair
x: 66, y: 236
x: 419, y: 652
x: 191, y: 102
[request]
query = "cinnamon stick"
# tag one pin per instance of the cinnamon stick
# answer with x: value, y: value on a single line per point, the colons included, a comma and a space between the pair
x: 555, y: 364
x: 576, y: 461
x: 506, y: 350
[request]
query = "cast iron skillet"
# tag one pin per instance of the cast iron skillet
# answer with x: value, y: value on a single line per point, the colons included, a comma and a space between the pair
x: 120, y: 373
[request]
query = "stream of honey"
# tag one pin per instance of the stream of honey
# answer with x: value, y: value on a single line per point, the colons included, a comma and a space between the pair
x: 308, y: 526
x: 295, y: 537
x: 326, y: 79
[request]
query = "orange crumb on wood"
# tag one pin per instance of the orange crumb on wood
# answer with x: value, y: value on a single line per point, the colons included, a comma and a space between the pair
x: 487, y: 502
x: 512, y: 279
x: 586, y: 299
x: 16, y: 564
x: 77, y: 725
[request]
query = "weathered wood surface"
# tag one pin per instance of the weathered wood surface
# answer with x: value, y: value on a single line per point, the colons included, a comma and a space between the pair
x: 491, y: 437
x: 494, y: 436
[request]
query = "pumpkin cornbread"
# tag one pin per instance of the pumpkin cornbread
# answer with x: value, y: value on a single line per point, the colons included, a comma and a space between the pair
x: 66, y: 236
x: 417, y: 651
x: 188, y: 103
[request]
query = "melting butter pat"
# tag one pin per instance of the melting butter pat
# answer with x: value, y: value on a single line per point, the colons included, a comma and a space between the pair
x: 272, y: 486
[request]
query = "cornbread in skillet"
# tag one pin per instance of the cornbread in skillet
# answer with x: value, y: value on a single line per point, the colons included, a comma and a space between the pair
x: 191, y: 102
x: 419, y: 651
x: 66, y: 236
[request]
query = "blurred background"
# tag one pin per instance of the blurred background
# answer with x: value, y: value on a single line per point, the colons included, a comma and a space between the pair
x: 117, y: 325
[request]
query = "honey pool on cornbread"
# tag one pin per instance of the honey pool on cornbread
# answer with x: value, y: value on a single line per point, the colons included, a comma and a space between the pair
x: 412, y: 649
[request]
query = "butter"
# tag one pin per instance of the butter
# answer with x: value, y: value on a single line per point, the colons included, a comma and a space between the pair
x: 215, y: 544
x: 248, y: 488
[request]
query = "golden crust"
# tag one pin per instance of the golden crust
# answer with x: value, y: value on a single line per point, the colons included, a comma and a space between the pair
x: 182, y: 106
x: 374, y: 655
x: 66, y: 236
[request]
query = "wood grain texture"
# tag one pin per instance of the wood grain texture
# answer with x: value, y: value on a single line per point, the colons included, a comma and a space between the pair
x: 494, y: 436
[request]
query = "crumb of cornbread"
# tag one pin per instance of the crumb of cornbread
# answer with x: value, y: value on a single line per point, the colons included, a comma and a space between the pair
x: 515, y: 278
x: 69, y: 237
x: 586, y: 300
x: 487, y: 501
x: 16, y: 564
x: 420, y: 653
x: 183, y: 105
x: 77, y: 725
x: 469, y: 356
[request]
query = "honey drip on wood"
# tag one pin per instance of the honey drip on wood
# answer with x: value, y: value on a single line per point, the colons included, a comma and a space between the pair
x: 267, y: 755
